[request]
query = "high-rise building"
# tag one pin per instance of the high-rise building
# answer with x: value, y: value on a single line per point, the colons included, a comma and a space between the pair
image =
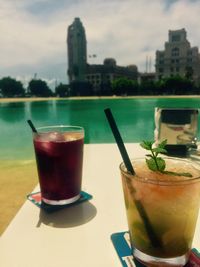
x: 178, y: 58
x: 77, y: 51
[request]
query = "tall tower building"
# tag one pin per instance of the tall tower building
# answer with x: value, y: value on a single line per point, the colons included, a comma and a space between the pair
x: 77, y: 51
x: 178, y: 58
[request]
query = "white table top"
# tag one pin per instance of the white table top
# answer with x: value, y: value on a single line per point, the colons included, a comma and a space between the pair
x: 77, y: 236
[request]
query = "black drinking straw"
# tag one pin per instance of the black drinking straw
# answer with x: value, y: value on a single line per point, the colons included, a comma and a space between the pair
x: 119, y: 141
x: 32, y: 126
x: 150, y: 231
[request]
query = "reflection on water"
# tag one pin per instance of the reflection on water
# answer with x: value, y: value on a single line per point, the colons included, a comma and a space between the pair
x: 12, y: 112
x: 41, y: 111
x: 135, y: 118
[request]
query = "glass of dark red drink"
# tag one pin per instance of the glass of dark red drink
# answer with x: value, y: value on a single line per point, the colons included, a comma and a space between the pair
x: 59, y: 158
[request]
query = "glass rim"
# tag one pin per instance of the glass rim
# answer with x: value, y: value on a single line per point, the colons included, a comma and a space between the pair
x: 159, y: 182
x: 46, y: 129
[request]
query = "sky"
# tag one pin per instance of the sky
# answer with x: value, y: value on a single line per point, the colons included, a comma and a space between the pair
x: 33, y: 33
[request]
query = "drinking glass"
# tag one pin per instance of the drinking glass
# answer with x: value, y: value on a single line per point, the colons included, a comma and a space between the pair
x: 59, y: 158
x: 162, y: 210
x: 179, y: 126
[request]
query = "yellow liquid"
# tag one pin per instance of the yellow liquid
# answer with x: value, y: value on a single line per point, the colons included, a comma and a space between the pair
x: 171, y: 206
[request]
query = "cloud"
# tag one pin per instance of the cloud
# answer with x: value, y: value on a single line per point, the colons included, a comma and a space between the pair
x: 34, y: 32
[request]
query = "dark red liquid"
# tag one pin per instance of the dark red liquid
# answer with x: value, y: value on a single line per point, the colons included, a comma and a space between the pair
x: 59, y: 166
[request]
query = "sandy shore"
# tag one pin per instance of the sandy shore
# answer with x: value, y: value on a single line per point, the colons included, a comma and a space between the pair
x: 30, y: 99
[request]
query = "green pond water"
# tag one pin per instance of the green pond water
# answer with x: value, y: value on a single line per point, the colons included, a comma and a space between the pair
x: 134, y: 116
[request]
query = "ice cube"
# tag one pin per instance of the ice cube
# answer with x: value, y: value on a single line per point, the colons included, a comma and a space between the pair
x: 49, y: 143
x: 70, y: 138
x: 41, y: 138
x: 48, y: 147
x: 56, y: 137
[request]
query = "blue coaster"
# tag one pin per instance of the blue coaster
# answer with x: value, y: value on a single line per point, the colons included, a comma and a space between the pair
x: 121, y: 242
x: 35, y: 198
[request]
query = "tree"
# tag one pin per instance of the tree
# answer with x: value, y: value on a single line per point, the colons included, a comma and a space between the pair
x: 80, y: 88
x: 122, y: 86
x: 189, y: 72
x: 149, y: 88
x: 62, y: 90
x: 11, y: 88
x: 39, y: 88
x: 133, y: 89
x: 105, y: 89
x: 177, y: 85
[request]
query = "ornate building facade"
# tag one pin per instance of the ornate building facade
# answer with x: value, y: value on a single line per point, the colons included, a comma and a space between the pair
x: 102, y: 75
x: 178, y: 58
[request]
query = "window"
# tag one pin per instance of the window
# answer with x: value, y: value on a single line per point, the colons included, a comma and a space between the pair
x: 176, y: 38
x: 189, y: 60
x: 175, y: 51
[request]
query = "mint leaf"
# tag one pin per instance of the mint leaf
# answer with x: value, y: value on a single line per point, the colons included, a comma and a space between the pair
x: 163, y: 144
x: 146, y: 145
x: 186, y: 174
x: 159, y: 150
x: 149, y: 155
x: 156, y: 163
x: 161, y: 164
x: 151, y: 164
